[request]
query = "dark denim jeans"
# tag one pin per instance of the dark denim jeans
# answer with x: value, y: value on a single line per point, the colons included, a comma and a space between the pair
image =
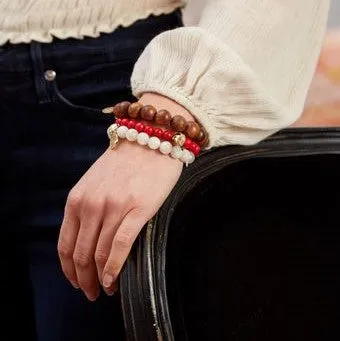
x: 51, y: 133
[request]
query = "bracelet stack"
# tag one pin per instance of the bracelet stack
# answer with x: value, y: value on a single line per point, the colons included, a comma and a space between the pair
x: 140, y: 123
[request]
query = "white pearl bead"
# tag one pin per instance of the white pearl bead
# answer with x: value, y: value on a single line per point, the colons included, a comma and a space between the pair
x: 121, y: 131
x: 143, y: 139
x: 132, y: 135
x: 176, y: 152
x: 154, y: 143
x: 165, y: 147
x: 187, y: 157
x: 192, y: 159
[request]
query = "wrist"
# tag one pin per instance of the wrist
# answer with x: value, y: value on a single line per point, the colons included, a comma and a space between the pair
x: 159, y: 122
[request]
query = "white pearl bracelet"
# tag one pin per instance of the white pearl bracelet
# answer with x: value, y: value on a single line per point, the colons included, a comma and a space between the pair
x: 116, y: 132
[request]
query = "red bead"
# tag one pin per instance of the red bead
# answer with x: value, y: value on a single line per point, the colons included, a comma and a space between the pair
x: 158, y: 132
x: 125, y: 122
x: 149, y: 130
x: 139, y: 127
x: 118, y: 121
x: 168, y: 135
x: 195, y: 148
x: 131, y: 124
x: 187, y: 144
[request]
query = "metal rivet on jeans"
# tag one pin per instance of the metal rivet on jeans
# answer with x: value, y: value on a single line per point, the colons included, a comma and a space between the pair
x: 50, y: 75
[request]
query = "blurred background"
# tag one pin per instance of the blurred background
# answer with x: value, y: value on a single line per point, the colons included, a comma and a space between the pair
x: 334, y: 18
x: 322, y: 106
x: 194, y: 7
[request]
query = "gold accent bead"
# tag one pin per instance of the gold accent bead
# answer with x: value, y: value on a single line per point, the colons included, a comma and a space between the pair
x: 179, y: 139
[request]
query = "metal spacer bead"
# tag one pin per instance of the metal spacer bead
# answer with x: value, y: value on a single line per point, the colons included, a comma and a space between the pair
x: 179, y: 139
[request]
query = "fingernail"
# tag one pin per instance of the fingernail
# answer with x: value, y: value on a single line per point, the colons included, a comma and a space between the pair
x: 112, y: 290
x: 107, y: 281
x: 75, y: 285
x: 91, y: 298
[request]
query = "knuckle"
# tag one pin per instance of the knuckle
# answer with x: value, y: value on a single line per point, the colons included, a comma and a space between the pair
x: 101, y: 257
x: 93, y: 206
x: 124, y: 239
x: 114, y: 202
x: 64, y: 251
x: 74, y: 199
x: 133, y: 198
x: 82, y: 260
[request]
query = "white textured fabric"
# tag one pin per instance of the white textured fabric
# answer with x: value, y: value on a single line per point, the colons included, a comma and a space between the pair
x: 22, y: 21
x: 244, y: 72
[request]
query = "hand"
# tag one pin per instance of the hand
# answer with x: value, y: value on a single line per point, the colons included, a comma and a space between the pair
x: 107, y: 209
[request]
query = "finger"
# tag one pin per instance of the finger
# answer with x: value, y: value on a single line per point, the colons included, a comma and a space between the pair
x: 83, y: 256
x: 112, y: 289
x: 104, y: 244
x: 66, y: 243
x: 126, y: 235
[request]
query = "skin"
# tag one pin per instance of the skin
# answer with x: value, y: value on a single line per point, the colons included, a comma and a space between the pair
x: 108, y: 207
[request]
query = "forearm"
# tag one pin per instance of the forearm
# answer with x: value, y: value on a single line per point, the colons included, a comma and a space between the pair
x: 244, y: 72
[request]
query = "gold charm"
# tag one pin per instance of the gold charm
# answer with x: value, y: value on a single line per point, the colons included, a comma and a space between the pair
x: 113, y: 136
x: 114, y: 141
x: 108, y: 110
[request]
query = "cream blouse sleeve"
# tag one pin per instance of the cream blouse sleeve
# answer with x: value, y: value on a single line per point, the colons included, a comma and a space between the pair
x: 244, y: 71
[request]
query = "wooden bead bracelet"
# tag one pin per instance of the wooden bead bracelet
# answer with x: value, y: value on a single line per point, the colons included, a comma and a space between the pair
x: 178, y: 123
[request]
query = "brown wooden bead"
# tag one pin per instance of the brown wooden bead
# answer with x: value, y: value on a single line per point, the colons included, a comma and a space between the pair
x: 163, y: 118
x: 204, y: 143
x: 201, y: 136
x: 202, y: 139
x: 120, y: 110
x: 134, y: 109
x: 192, y: 130
x: 178, y: 123
x: 148, y: 112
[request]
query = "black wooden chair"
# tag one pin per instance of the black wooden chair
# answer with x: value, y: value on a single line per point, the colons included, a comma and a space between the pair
x: 245, y: 248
